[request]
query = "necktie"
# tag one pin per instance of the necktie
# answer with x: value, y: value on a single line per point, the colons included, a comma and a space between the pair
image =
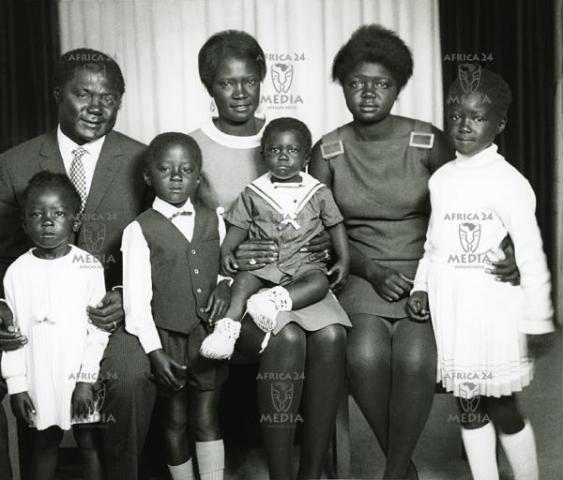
x: 78, y: 175
x: 179, y: 214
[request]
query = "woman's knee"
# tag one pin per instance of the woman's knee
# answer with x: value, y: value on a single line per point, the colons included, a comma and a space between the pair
x: 290, y: 337
x: 368, y: 345
x: 330, y: 337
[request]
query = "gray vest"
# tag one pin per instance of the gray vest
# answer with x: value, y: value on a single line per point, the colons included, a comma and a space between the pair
x: 183, y: 273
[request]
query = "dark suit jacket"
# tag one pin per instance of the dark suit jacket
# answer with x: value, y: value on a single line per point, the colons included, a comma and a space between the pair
x: 117, y: 195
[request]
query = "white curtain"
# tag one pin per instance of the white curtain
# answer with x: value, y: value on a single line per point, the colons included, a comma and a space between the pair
x: 558, y: 200
x: 156, y: 43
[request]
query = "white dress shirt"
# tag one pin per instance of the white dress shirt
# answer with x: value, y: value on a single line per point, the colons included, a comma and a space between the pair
x: 89, y: 160
x: 137, y: 282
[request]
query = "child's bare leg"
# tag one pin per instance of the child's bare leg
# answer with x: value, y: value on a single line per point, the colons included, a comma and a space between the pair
x: 310, y: 288
x: 88, y: 440
x: 243, y: 287
x: 175, y: 423
x: 45, y: 453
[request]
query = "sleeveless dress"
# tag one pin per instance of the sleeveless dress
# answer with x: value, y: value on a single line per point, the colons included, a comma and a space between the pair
x: 381, y: 188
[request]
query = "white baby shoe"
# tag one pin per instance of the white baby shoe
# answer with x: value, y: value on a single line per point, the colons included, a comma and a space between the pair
x: 220, y: 345
x: 264, y: 307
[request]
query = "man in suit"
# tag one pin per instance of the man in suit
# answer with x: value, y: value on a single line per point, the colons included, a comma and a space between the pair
x: 105, y: 167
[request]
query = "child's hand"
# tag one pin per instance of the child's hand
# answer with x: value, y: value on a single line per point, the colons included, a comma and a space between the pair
x: 229, y: 264
x: 540, y: 345
x: 341, y: 270
x: 167, y: 372
x: 23, y: 407
x: 83, y: 400
x: 417, y: 306
x: 218, y: 302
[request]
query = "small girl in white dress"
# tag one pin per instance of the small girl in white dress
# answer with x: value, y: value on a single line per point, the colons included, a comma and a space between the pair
x: 51, y: 379
x: 481, y: 325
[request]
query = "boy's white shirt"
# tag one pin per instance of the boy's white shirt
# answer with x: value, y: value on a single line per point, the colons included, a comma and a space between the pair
x: 137, y: 282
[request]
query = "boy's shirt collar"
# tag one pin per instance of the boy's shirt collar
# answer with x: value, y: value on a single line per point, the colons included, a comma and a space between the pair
x: 169, y: 210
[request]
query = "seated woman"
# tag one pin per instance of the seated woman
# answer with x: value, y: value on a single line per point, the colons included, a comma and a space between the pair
x: 299, y: 366
x: 378, y: 167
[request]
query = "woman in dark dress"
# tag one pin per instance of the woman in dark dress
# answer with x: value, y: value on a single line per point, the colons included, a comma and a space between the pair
x: 378, y: 167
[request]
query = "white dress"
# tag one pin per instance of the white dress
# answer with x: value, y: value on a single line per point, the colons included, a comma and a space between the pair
x: 49, y: 300
x: 480, y: 323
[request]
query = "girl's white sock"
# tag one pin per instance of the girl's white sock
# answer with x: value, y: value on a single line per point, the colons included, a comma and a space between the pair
x: 185, y: 471
x: 480, y: 446
x: 210, y: 459
x: 520, y: 450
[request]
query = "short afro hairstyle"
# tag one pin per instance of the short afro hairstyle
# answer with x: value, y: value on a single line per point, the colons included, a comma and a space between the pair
x: 91, y: 60
x: 489, y: 85
x: 164, y: 141
x: 374, y: 44
x: 285, y: 124
x: 228, y: 44
x: 47, y: 180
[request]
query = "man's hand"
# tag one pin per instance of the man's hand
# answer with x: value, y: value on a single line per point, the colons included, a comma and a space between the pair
x: 417, y: 306
x: 390, y: 284
x: 166, y: 371
x: 218, y: 302
x: 108, y: 314
x: 255, y: 254
x: 505, y: 269
x: 10, y: 337
x: 83, y: 399
x: 23, y: 407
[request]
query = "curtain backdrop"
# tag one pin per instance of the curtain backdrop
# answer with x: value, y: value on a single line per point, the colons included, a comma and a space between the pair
x: 156, y: 43
x: 28, y: 51
x: 515, y: 39
x: 558, y: 196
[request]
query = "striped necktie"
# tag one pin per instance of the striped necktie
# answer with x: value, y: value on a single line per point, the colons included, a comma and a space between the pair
x: 78, y: 175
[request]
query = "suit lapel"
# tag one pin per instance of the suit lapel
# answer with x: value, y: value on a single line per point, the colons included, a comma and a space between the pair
x: 107, y: 166
x: 50, y: 155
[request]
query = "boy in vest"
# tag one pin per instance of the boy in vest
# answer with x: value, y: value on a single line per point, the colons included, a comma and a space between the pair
x: 172, y: 291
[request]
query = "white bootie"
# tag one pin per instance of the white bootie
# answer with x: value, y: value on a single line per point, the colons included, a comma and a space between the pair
x: 264, y: 307
x: 220, y: 345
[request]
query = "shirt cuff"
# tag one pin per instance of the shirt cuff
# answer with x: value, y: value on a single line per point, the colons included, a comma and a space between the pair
x: 150, y: 341
x: 537, y: 327
x: 220, y: 278
x: 16, y: 385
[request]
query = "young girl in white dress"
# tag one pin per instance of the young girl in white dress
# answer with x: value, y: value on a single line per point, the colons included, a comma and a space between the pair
x: 482, y: 326
x: 51, y: 379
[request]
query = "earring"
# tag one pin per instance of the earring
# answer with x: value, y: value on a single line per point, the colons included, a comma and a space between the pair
x: 212, y: 106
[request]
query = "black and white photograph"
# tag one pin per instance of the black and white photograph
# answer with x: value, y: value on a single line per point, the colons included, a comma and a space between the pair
x: 281, y: 239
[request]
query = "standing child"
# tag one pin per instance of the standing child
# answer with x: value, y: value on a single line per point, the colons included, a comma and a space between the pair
x: 290, y: 207
x: 51, y: 379
x: 480, y: 324
x: 171, y: 266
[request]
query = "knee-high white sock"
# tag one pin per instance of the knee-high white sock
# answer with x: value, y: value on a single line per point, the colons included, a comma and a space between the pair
x: 480, y: 446
x: 185, y: 471
x: 520, y: 450
x: 210, y: 459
